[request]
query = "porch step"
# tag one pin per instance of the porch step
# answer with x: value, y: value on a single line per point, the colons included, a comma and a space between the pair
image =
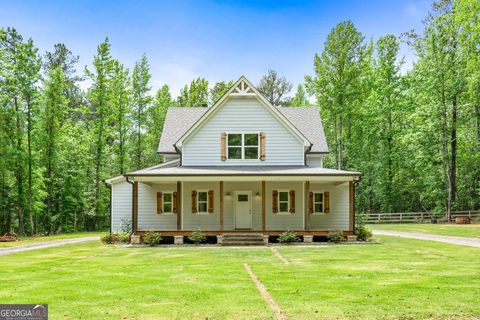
x: 242, y: 239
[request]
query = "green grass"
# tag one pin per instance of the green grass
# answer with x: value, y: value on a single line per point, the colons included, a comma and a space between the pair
x: 398, y: 278
x: 38, y: 239
x: 465, y: 230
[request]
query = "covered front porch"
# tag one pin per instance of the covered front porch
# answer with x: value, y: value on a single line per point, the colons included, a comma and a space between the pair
x: 267, y: 205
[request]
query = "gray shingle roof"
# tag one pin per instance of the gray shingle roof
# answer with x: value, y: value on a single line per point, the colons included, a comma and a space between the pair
x: 305, y: 119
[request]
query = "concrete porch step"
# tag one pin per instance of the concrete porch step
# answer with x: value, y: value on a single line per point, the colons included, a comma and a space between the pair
x: 242, y: 239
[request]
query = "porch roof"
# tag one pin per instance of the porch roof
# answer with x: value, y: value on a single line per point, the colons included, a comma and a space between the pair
x: 241, y: 171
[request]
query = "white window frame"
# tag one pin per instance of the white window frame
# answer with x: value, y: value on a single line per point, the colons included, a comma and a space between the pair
x: 288, y: 202
x: 318, y: 213
x: 171, y: 203
x: 242, y: 145
x: 198, y: 202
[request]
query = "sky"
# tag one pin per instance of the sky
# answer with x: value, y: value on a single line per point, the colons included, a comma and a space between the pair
x: 217, y: 40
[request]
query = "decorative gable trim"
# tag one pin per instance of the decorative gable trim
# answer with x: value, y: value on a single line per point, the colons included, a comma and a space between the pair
x: 243, y: 88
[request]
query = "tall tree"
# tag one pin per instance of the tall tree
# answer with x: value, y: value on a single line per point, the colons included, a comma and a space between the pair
x: 195, y: 95
x: 28, y: 77
x: 218, y: 90
x: 274, y: 88
x: 337, y: 83
x: 141, y: 101
x: 156, y: 118
x: 55, y: 105
x: 300, y: 99
x: 98, y: 95
x: 121, y: 102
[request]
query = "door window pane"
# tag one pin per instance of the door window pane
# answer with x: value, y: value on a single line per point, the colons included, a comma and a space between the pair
x: 242, y: 197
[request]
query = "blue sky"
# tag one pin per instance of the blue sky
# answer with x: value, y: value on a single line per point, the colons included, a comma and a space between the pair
x: 218, y: 40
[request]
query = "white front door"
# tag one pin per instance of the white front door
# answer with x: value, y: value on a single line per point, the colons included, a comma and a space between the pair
x: 243, y: 210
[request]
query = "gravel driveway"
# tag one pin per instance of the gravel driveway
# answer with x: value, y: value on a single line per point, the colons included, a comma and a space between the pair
x: 464, y: 241
x: 41, y: 245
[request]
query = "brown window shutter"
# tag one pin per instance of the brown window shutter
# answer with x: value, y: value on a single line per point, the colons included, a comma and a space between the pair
x: 159, y: 202
x: 210, y: 201
x: 262, y: 146
x: 310, y: 202
x: 326, y: 202
x: 174, y: 202
x: 275, y: 201
x: 194, y: 201
x: 223, y: 146
x: 292, y: 201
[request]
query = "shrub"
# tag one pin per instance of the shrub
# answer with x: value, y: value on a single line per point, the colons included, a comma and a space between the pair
x: 288, y: 237
x: 126, y: 224
x: 197, y: 237
x: 335, y: 236
x: 363, y: 233
x: 152, y: 238
x: 106, y: 238
x: 123, y: 237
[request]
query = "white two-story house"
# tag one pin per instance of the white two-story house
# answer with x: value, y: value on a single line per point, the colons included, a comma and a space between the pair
x: 240, y: 166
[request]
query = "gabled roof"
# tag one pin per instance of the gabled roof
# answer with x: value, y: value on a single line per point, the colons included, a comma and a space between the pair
x: 242, y: 87
x: 306, y: 119
x: 177, y: 121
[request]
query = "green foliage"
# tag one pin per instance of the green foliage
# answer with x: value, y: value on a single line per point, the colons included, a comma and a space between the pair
x: 288, y: 237
x: 197, y: 237
x: 300, y: 99
x: 363, y: 233
x: 123, y: 237
x: 107, y: 238
x: 152, y: 238
x: 335, y: 236
x: 195, y: 95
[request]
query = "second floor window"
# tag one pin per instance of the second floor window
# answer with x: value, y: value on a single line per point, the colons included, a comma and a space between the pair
x: 242, y: 145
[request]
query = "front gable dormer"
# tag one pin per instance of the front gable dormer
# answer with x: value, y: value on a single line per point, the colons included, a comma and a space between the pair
x: 242, y: 128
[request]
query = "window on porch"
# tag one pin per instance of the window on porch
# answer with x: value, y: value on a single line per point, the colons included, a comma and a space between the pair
x: 318, y: 202
x: 283, y: 202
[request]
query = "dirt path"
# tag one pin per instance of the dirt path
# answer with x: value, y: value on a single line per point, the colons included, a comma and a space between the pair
x: 42, y: 245
x: 265, y: 295
x: 464, y: 241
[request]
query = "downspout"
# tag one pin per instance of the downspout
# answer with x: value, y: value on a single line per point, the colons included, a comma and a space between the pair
x: 109, y: 186
x: 133, y: 209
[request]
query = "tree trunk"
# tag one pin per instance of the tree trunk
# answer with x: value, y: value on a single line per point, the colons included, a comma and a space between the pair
x: 19, y: 173
x: 340, y: 144
x: 453, y: 150
x: 29, y: 139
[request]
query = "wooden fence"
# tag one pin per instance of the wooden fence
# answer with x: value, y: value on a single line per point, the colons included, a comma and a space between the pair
x: 415, y: 217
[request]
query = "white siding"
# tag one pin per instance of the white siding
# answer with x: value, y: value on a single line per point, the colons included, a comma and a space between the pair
x: 315, y: 160
x: 278, y: 221
x: 338, y: 217
x: 243, y: 115
x: 201, y: 221
x: 148, y: 218
x: 121, y: 204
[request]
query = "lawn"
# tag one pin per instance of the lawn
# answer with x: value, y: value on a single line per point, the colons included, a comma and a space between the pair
x: 457, y: 230
x: 37, y: 239
x: 398, y: 278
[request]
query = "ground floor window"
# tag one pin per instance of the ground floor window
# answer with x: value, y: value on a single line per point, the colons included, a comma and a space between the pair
x: 168, y: 202
x: 318, y: 202
x: 202, y: 197
x: 283, y: 202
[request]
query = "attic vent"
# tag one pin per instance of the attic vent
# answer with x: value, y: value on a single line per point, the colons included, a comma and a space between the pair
x: 243, y: 89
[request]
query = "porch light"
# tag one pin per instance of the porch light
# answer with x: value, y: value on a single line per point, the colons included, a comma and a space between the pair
x: 228, y: 194
x: 257, y: 194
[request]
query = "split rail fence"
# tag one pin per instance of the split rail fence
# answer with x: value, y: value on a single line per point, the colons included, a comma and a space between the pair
x: 416, y: 217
